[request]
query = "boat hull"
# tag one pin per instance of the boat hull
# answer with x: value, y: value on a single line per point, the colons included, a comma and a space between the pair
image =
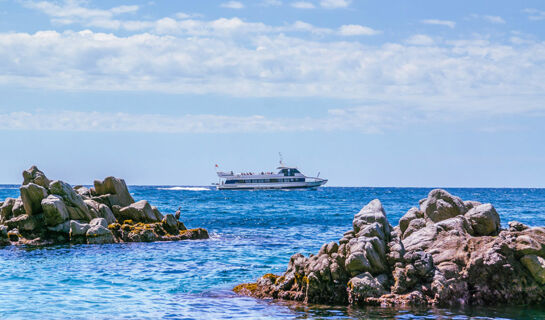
x: 283, y: 186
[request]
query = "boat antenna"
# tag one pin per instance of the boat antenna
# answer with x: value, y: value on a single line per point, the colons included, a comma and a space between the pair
x: 281, y: 160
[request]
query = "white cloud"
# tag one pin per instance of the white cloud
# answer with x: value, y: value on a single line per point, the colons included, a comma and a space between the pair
x: 180, y: 24
x: 534, y: 14
x: 357, y: 30
x: 447, y: 23
x: 368, y: 119
x: 333, y: 4
x: 302, y: 5
x: 494, y: 19
x: 233, y: 5
x: 271, y: 3
x: 420, y: 40
x: 459, y: 76
x: 489, y: 18
x: 71, y: 11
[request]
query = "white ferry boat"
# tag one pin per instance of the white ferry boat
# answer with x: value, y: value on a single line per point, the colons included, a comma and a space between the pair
x: 286, y: 178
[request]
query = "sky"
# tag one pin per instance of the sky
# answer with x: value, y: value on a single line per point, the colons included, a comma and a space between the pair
x: 368, y: 93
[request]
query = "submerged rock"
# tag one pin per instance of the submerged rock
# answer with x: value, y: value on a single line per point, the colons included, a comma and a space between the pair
x: 446, y: 253
x: 51, y: 212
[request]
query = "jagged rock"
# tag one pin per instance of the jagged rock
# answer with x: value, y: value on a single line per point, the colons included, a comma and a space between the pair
x: 517, y: 226
x: 34, y: 175
x: 6, y: 209
x: 194, y: 234
x: 158, y: 215
x: 84, y: 192
x: 55, y: 211
x: 413, y: 226
x: 412, y: 214
x: 18, y: 208
x: 372, y: 212
x: 116, y: 189
x: 364, y: 286
x: 441, y: 205
x: 75, y: 205
x: 170, y: 224
x: 469, y: 204
x: 484, y: 219
x: 140, y: 211
x: 101, y: 210
x: 536, y: 266
x: 98, y: 234
x: 32, y: 195
x: 448, y: 253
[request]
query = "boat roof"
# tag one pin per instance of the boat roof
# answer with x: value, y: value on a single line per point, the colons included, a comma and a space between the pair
x: 283, y: 167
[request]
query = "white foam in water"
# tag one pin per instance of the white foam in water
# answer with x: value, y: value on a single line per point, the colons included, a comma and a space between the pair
x: 186, y: 188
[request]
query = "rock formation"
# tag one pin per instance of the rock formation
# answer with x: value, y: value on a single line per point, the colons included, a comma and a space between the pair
x: 447, y: 252
x: 52, y: 212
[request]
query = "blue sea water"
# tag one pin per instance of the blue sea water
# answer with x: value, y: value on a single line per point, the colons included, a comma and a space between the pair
x: 252, y: 233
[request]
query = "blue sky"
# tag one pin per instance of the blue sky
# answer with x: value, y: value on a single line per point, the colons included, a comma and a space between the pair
x: 369, y: 93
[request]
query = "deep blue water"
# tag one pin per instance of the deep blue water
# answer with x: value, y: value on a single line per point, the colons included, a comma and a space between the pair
x: 252, y: 233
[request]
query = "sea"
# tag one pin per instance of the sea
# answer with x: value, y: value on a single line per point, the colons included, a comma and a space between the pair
x: 251, y: 233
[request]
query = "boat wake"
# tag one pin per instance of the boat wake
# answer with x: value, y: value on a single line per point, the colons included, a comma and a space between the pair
x: 186, y: 188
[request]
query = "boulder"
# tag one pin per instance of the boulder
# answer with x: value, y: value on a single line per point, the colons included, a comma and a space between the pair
x: 170, y: 224
x: 55, y: 211
x: 18, y: 208
x: 78, y: 228
x: 75, y: 205
x: 115, y: 187
x: 140, y: 211
x: 194, y: 234
x: 60, y: 228
x: 101, y: 210
x: 6, y: 209
x: 441, y: 205
x: 98, y: 234
x: 32, y: 195
x: 99, y: 222
x: 484, y: 219
x: 26, y: 222
x: 34, y: 175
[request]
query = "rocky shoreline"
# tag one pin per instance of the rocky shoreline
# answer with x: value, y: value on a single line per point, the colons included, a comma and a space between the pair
x: 445, y: 253
x: 52, y: 212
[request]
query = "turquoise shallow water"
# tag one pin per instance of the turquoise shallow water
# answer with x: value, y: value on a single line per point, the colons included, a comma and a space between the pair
x: 252, y: 233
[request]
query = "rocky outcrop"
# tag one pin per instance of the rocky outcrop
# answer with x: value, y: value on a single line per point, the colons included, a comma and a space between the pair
x: 445, y: 252
x: 52, y: 212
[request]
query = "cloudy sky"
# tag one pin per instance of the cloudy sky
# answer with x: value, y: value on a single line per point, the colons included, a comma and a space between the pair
x: 369, y: 93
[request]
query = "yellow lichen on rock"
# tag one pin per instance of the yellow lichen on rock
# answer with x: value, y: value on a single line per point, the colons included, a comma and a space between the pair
x: 245, y: 288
